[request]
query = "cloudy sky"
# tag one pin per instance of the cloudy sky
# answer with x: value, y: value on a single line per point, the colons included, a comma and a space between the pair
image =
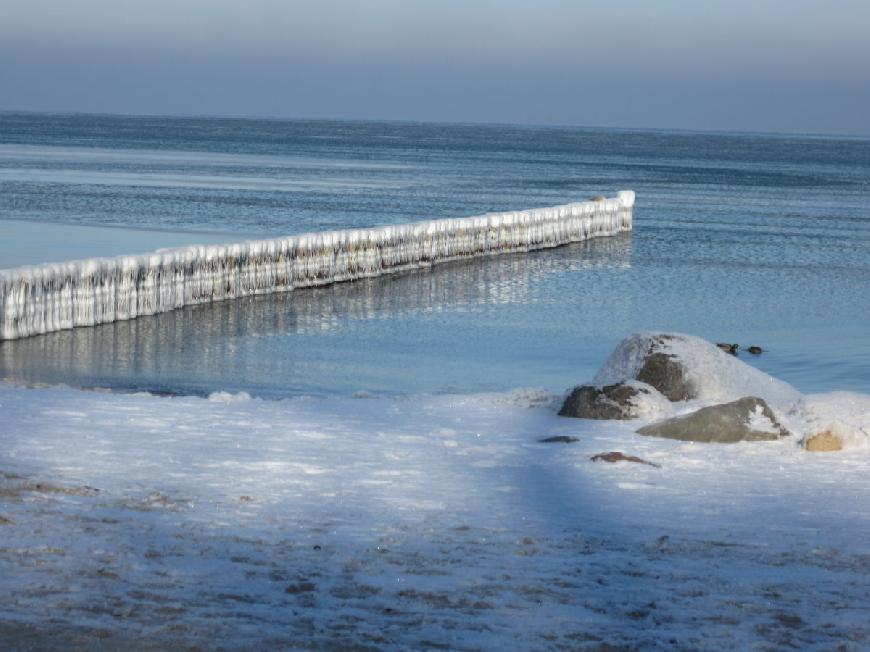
x: 752, y: 65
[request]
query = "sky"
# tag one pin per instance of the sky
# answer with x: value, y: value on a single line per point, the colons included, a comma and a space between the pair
x: 760, y: 65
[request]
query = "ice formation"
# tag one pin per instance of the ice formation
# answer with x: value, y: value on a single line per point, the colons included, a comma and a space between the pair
x: 716, y: 377
x: 396, y: 523
x: 51, y: 297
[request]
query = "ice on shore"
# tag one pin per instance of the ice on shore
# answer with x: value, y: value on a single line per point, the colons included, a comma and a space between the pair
x: 425, y: 521
x: 845, y: 414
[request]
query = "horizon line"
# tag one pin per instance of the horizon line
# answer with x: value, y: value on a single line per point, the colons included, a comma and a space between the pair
x: 411, y: 121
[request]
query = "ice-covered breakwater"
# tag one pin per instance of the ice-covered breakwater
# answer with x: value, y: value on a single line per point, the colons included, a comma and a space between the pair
x: 44, y: 298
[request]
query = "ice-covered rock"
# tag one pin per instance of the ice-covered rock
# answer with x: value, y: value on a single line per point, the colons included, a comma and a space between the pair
x: 683, y: 367
x: 624, y: 400
x: 656, y: 375
x: 746, y: 419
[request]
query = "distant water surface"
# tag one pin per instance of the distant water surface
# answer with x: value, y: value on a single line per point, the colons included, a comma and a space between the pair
x: 748, y: 238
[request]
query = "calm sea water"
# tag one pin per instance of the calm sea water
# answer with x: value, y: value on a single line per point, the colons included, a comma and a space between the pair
x: 742, y: 238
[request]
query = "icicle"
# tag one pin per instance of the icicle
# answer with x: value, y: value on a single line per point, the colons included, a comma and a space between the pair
x: 51, y: 297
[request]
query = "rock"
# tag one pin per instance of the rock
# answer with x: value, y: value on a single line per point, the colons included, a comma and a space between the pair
x: 616, y: 456
x: 617, y: 401
x: 559, y: 439
x: 683, y: 367
x: 755, y: 350
x: 824, y: 442
x: 665, y: 372
x: 746, y: 419
x: 728, y: 348
x: 22, y: 485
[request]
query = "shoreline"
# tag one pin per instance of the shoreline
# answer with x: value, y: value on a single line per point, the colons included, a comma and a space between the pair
x: 387, y: 523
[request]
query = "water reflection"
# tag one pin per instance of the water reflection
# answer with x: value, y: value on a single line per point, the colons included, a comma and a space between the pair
x: 304, y: 341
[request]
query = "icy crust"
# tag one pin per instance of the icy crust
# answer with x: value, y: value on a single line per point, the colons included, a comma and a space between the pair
x: 227, y: 397
x: 52, y: 297
x: 846, y: 415
x: 417, y: 523
x: 760, y: 422
x: 714, y: 375
x: 648, y: 403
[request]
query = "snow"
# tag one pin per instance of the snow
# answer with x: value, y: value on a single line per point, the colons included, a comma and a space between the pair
x: 717, y: 377
x: 649, y: 403
x: 760, y: 422
x: 50, y: 297
x: 420, y: 522
x: 845, y: 414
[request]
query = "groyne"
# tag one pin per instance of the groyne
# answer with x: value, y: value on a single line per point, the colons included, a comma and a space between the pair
x: 44, y: 298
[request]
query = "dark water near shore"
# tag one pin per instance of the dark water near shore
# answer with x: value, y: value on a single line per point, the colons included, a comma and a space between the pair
x: 748, y: 238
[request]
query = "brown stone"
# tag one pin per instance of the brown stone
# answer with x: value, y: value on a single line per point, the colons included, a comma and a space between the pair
x: 616, y: 456
x: 824, y: 442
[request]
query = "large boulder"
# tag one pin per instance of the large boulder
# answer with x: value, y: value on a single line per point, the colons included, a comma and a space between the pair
x: 746, y: 419
x: 683, y: 367
x: 617, y: 401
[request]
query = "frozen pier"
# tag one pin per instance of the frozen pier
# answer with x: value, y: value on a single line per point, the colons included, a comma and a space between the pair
x: 50, y: 297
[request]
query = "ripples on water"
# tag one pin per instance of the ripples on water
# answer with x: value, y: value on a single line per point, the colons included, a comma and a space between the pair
x: 755, y: 239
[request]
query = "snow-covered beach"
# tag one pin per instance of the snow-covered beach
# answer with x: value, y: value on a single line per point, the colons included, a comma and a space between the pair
x: 474, y: 326
x: 425, y: 511
x: 440, y: 522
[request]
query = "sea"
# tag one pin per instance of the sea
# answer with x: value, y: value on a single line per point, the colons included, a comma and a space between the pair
x: 755, y: 239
